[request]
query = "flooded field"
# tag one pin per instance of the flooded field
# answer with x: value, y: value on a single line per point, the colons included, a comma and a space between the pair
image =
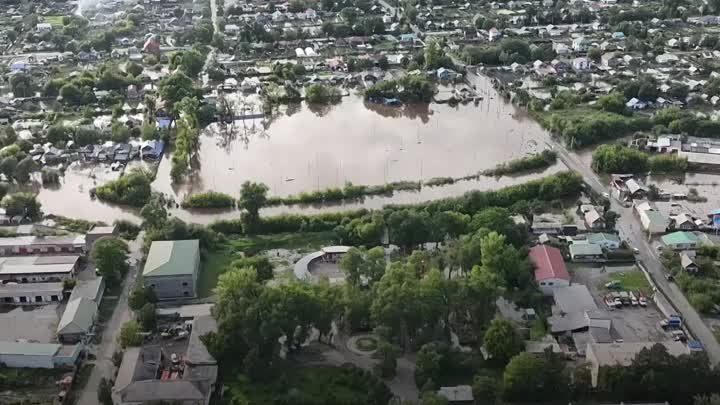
x: 306, y: 148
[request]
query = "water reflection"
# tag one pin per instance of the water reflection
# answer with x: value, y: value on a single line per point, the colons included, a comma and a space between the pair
x: 358, y: 142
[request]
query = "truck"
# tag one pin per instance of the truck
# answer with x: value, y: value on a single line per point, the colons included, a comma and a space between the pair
x: 672, y: 322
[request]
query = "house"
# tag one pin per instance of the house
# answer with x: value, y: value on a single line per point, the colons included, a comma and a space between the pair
x: 585, y: 252
x: 681, y: 240
x: 171, y: 268
x: 38, y: 269
x: 77, y: 320
x: 574, y: 308
x: 446, y: 74
x: 42, y: 28
x: 232, y: 29
x: 635, y: 189
x: 609, y: 59
x: 604, y: 240
x: 38, y: 355
x: 92, y: 289
x: 688, y: 263
x: 580, y: 44
x: 550, y: 270
x: 683, y: 222
x: 28, y: 245
x: 666, y: 58
x: 31, y: 293
x: 458, y: 395
x: 152, y: 149
x: 581, y: 64
x: 636, y: 104
x: 143, y: 375
x: 494, y: 34
x: 600, y: 355
x: 98, y: 232
x: 594, y: 220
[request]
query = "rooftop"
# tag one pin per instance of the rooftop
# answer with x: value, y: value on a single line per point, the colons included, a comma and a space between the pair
x: 171, y: 258
x: 78, y: 317
x: 29, y: 349
x: 548, y: 263
x: 585, y: 249
x: 623, y: 354
x: 102, y: 230
x: 87, y: 289
x: 574, y: 298
x: 461, y: 393
x: 36, y: 323
x: 680, y: 238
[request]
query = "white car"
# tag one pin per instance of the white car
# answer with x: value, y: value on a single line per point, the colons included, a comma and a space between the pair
x: 606, y: 194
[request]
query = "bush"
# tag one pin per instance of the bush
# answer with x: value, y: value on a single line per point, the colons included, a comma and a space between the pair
x: 621, y: 159
x: 288, y: 223
x: 410, y: 89
x: 127, y: 229
x: 540, y: 161
x: 50, y: 176
x: 321, y: 94
x: 209, y: 199
x: 132, y: 189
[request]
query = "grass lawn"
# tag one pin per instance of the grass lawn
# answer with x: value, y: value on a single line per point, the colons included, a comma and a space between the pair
x: 215, y: 262
x: 367, y: 344
x: 54, y: 20
x: 632, y: 281
x: 305, y: 385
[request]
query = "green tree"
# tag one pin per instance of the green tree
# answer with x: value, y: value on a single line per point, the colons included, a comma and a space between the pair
x: 387, y: 353
x: 614, y: 103
x: 71, y: 94
x: 176, y: 87
x: 260, y: 263
x: 532, y: 378
x: 140, y: 296
x: 130, y: 334
x: 104, y: 392
x: 432, y: 398
x: 7, y: 167
x: 253, y: 196
x: 485, y: 389
x: 21, y: 85
x: 594, y: 54
x: 147, y: 316
x: 429, y: 364
x: 192, y: 62
x: 154, y: 214
x: 24, y: 169
x: 109, y: 256
x: 363, y: 267
x: 25, y: 204
x: 134, y: 69
x: 502, y: 341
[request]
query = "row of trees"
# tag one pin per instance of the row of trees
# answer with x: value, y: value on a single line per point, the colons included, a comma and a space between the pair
x: 409, y: 89
x: 617, y: 158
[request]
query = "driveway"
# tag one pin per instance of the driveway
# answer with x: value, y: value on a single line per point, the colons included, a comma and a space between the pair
x: 104, y: 366
x: 630, y: 228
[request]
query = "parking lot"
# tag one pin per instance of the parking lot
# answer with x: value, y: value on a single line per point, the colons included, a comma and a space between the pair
x: 631, y: 323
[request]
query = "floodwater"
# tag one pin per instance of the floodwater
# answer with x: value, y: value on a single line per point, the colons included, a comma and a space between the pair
x: 304, y: 148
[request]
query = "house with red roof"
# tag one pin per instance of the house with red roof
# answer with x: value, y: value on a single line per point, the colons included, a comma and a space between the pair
x: 550, y: 270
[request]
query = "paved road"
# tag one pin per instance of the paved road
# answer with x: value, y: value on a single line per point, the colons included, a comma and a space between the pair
x: 630, y: 229
x: 104, y: 366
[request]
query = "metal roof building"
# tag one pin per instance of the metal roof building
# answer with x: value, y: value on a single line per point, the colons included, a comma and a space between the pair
x: 172, y: 267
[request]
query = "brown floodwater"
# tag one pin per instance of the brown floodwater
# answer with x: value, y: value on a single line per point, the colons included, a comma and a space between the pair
x: 304, y: 148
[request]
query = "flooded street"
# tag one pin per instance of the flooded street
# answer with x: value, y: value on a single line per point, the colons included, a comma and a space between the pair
x: 306, y: 148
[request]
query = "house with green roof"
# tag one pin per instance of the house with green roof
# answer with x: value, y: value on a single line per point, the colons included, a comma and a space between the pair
x: 681, y: 240
x: 585, y: 252
x: 172, y: 268
x: 605, y: 240
x: 77, y: 320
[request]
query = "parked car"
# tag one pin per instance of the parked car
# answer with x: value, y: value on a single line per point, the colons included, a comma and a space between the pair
x: 642, y: 300
x: 636, y: 251
x: 633, y: 299
x: 613, y: 285
x: 610, y: 302
x: 618, y: 302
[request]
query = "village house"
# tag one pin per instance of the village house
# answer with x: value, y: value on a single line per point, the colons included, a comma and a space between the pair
x: 681, y: 240
x: 688, y: 263
x: 585, y: 252
x: 550, y: 270
x: 594, y: 220
x: 604, y: 240
x: 171, y: 269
